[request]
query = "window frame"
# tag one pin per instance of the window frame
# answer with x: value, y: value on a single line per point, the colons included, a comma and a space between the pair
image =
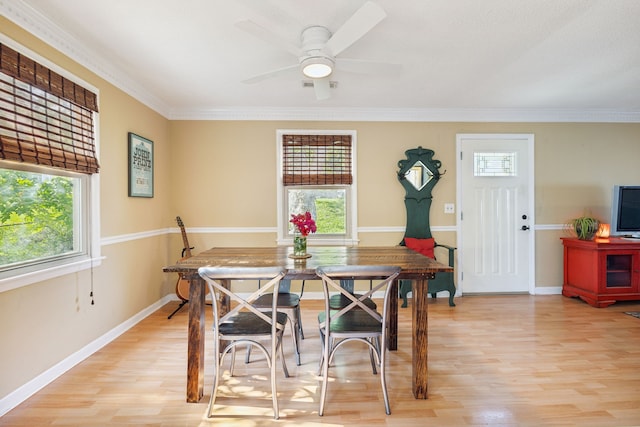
x: 351, y: 235
x: 89, y: 255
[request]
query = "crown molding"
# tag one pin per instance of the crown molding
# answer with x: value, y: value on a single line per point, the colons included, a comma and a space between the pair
x: 41, y: 27
x: 411, y: 115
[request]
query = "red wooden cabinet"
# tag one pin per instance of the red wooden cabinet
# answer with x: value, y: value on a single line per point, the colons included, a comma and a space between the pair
x: 602, y: 271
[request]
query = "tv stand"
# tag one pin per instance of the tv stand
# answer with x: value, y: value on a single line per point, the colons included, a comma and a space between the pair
x: 602, y: 271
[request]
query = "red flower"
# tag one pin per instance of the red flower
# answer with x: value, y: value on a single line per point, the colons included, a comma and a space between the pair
x: 304, y: 223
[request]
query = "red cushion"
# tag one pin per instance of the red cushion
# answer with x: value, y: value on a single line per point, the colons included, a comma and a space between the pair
x: 423, y: 246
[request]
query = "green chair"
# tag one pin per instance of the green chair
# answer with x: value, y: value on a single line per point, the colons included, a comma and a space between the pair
x: 442, y: 281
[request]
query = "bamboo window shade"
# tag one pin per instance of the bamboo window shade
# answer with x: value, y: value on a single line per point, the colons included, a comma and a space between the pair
x: 45, y: 118
x: 316, y: 159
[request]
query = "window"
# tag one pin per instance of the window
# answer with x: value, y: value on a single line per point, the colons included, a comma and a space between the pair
x: 316, y: 170
x: 494, y: 164
x: 48, y: 169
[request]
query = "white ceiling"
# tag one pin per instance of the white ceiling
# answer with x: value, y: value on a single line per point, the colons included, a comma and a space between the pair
x: 507, y: 60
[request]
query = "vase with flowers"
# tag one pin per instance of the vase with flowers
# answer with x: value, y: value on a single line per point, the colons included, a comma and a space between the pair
x: 303, y: 226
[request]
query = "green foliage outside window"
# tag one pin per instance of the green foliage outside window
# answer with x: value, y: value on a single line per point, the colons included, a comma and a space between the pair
x: 327, y: 207
x: 331, y: 216
x: 36, y: 216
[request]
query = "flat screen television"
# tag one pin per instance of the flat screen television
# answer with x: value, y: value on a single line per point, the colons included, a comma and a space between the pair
x: 625, y: 211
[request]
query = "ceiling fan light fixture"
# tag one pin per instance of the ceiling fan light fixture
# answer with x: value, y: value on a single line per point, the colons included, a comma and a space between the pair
x: 317, y: 67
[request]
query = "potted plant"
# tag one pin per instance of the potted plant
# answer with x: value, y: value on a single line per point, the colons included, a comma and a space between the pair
x: 585, y: 227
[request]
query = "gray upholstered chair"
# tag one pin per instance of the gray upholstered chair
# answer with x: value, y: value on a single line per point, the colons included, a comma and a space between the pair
x: 288, y: 303
x: 244, y: 324
x: 355, y: 321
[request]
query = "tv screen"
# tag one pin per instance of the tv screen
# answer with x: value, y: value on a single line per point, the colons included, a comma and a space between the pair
x: 625, y: 211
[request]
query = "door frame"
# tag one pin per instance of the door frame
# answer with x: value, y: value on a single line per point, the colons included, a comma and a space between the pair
x: 529, y: 139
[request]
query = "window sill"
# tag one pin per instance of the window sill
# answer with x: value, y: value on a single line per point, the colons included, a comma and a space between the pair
x: 18, y: 281
x: 321, y: 242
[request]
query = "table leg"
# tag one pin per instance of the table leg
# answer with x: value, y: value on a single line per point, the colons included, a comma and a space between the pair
x: 420, y: 339
x: 195, y: 345
x: 392, y: 332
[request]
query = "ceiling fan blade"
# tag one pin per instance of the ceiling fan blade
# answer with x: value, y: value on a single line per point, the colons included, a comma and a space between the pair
x: 364, y: 66
x: 272, y: 73
x: 359, y: 24
x: 269, y: 36
x: 322, y: 88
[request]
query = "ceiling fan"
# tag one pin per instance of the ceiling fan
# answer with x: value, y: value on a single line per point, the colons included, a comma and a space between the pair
x: 318, y: 49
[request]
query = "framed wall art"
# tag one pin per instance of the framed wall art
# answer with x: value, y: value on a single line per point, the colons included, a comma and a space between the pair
x: 140, y: 166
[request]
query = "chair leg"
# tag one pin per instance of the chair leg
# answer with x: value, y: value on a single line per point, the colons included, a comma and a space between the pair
x: 281, y: 350
x: 232, y: 364
x: 274, y: 391
x: 404, y: 289
x: 383, y: 382
x: 247, y: 355
x: 214, y: 391
x: 322, y: 338
x: 324, y: 371
x: 299, y: 316
x: 372, y: 357
x: 452, y: 293
x: 321, y: 353
x: 216, y: 379
x: 293, y: 322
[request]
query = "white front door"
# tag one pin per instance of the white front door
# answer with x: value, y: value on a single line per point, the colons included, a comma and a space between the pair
x: 495, y: 213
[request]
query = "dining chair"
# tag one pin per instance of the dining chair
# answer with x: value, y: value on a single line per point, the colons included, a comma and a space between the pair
x: 355, y: 321
x: 289, y: 303
x: 244, y: 324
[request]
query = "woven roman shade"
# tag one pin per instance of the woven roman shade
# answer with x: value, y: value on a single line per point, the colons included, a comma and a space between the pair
x: 316, y: 159
x: 45, y: 118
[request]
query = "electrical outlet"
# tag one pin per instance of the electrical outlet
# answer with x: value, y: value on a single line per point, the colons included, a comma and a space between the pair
x: 449, y: 208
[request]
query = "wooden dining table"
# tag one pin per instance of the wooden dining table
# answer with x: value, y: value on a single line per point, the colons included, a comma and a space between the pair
x: 414, y: 266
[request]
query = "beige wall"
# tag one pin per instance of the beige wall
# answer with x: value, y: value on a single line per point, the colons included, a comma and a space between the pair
x: 46, y: 322
x: 222, y: 174
x: 232, y: 176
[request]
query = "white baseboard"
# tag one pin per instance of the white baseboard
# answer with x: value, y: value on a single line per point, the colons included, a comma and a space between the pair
x: 25, y: 391
x: 548, y: 290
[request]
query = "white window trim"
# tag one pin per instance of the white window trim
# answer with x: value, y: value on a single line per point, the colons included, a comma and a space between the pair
x: 352, y: 204
x: 93, y: 257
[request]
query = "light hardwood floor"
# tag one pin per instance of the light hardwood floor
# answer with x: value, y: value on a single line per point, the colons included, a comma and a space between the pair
x: 515, y: 360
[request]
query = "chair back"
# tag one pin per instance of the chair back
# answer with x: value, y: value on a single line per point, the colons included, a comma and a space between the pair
x: 333, y: 277
x: 219, y: 280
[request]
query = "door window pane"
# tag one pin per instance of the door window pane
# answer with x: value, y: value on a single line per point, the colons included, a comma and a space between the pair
x: 494, y: 164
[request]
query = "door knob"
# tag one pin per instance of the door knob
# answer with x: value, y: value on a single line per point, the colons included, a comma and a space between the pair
x: 525, y: 227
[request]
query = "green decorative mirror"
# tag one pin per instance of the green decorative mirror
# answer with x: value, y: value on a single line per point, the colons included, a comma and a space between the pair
x: 418, y: 174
